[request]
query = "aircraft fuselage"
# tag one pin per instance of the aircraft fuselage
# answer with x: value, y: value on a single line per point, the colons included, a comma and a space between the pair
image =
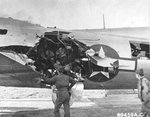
x: 107, y: 61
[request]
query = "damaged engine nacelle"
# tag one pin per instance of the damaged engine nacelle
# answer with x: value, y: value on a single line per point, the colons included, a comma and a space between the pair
x: 80, y: 61
x: 56, y: 48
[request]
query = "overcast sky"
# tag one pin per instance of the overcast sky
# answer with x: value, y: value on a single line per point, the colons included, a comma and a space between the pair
x: 77, y: 14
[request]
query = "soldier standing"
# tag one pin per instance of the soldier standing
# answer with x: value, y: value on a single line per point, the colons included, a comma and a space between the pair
x: 143, y: 92
x: 61, y: 81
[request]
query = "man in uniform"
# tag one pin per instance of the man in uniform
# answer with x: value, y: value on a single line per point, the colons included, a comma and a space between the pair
x: 143, y: 92
x: 61, y: 81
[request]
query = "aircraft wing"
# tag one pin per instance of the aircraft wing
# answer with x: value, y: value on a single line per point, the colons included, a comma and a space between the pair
x: 87, y: 38
x: 140, y: 34
x: 17, y: 32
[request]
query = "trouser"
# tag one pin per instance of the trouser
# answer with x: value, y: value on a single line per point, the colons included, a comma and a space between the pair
x: 146, y: 109
x: 62, y: 99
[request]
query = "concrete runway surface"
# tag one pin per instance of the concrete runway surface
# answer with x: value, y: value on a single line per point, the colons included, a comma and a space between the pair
x: 92, y: 104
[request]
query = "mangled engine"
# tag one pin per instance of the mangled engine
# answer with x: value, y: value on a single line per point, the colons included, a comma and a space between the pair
x: 56, y: 49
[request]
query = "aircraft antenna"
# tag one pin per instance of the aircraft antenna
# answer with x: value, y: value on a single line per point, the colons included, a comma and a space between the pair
x: 103, y: 21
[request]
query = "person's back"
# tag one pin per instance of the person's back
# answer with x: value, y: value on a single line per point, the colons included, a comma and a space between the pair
x: 62, y: 81
x: 63, y: 84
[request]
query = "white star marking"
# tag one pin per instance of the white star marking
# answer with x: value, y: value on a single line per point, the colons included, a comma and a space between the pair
x: 101, y: 53
x: 105, y: 74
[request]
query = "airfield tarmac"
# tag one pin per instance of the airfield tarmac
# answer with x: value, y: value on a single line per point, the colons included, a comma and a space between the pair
x: 29, y: 102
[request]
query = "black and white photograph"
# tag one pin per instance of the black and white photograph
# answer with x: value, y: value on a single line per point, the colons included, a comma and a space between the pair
x: 75, y: 58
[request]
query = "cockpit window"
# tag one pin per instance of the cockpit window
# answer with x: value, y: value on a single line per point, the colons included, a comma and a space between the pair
x: 140, y: 50
x: 3, y: 31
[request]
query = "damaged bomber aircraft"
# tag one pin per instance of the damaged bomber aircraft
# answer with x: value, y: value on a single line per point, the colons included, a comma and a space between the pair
x: 108, y: 60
